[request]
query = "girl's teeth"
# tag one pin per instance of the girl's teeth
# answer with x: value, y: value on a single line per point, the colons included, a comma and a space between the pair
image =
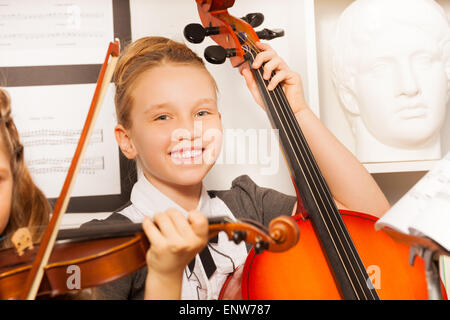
x: 187, y: 154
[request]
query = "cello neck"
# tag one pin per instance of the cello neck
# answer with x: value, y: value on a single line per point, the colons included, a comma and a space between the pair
x: 350, y: 274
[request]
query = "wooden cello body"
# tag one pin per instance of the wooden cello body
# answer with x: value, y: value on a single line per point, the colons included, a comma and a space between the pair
x: 303, y: 271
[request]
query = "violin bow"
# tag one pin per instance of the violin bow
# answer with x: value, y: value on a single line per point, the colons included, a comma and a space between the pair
x: 36, y: 273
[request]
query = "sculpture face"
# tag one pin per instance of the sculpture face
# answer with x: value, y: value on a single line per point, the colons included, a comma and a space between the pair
x: 391, y: 70
x: 401, y: 86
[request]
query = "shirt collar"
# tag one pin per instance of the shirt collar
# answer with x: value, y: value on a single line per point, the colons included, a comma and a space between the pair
x: 148, y: 200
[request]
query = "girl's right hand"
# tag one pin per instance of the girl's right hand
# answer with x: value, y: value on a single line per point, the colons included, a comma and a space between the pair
x: 289, y: 80
x: 174, y: 242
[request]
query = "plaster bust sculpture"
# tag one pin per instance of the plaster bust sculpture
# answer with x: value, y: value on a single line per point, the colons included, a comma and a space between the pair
x: 391, y: 70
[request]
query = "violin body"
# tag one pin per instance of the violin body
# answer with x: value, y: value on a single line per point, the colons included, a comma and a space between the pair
x: 98, y: 262
x: 304, y: 273
x: 95, y: 255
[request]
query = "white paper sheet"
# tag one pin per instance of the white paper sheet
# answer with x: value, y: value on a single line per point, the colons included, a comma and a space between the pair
x: 54, y: 32
x: 425, y: 209
x: 49, y: 120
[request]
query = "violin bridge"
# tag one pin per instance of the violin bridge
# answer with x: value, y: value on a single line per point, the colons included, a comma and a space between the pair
x: 22, y: 240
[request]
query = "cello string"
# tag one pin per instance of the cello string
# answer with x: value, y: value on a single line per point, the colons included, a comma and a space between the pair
x: 280, y: 94
x: 343, y: 235
x: 309, y: 186
x: 360, y: 273
x: 279, y: 97
x: 327, y: 194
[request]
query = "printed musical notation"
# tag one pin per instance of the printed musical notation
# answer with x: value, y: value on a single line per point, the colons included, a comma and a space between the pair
x: 49, y: 137
x: 50, y: 120
x: 57, y: 32
x: 68, y: 16
x: 51, y: 165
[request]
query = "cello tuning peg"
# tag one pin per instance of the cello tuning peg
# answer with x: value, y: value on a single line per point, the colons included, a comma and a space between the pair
x: 254, y: 19
x: 196, y: 33
x: 218, y: 54
x: 239, y: 236
x: 267, y: 34
x: 260, y: 246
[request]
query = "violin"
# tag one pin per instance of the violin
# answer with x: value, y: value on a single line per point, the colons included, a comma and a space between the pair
x: 105, y: 253
x: 340, y: 255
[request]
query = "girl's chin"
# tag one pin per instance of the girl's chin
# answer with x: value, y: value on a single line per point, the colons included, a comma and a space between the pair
x: 189, y: 173
x: 188, y: 178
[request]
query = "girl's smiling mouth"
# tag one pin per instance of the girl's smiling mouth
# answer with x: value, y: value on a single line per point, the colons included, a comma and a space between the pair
x: 192, y: 153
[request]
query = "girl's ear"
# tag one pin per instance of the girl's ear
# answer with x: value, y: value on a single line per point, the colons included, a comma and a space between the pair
x: 125, y: 142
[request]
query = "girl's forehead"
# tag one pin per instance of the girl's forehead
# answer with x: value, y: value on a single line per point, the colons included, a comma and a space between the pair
x: 171, y: 84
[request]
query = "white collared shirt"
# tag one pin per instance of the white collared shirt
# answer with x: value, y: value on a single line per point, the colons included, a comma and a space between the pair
x: 146, y: 200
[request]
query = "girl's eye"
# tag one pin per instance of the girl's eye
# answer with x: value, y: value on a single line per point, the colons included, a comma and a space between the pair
x: 162, y: 117
x: 202, y: 113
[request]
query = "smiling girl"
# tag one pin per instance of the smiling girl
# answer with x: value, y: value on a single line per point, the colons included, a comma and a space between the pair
x: 168, y: 120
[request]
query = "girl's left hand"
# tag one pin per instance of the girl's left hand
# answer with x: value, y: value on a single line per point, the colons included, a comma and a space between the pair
x: 290, y: 81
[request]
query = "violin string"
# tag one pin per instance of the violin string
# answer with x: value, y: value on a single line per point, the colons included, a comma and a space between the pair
x: 280, y: 97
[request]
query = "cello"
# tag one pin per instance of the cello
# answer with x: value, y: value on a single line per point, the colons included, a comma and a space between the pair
x: 339, y: 255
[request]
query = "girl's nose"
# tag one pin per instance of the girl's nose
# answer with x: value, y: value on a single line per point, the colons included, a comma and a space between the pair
x: 188, y: 129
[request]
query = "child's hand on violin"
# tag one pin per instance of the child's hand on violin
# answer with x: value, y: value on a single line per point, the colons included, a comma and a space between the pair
x: 174, y: 242
x: 290, y: 81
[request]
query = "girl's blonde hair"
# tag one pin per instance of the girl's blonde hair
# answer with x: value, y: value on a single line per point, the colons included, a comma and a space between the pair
x: 140, y: 56
x: 29, y: 206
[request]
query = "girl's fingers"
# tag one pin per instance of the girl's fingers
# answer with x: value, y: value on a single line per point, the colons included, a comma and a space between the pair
x: 151, y: 231
x: 199, y: 223
x: 276, y: 79
x: 263, y: 57
x: 272, y: 65
x: 180, y: 223
x: 165, y: 225
x: 263, y: 46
